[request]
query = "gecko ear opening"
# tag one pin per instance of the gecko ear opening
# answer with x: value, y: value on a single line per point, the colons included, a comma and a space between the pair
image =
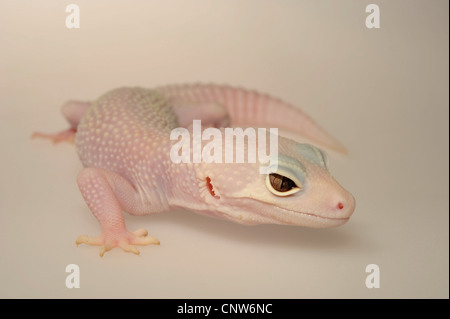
x: 211, y: 188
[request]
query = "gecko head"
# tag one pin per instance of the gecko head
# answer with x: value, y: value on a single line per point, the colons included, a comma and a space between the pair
x: 299, y: 191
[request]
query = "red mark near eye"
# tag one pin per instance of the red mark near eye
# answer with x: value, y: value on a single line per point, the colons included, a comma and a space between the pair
x: 210, y: 187
x: 340, y: 206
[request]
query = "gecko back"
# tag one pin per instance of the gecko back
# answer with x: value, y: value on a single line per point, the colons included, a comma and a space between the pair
x: 118, y: 122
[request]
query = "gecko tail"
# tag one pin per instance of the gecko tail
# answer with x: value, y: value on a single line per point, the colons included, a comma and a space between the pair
x: 251, y: 108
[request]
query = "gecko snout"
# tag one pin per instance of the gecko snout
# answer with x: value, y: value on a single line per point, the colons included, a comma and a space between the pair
x: 345, y: 205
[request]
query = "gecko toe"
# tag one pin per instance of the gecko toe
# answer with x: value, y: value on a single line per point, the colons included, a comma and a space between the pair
x: 143, y: 241
x: 88, y: 240
x: 141, y: 232
x: 67, y: 135
x: 129, y: 248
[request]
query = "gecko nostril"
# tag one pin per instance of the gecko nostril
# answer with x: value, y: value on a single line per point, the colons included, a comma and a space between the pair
x: 340, y: 205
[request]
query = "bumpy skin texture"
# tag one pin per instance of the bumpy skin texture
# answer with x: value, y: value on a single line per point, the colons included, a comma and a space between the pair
x: 123, y: 141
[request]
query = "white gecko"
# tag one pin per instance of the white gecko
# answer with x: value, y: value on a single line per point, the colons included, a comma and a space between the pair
x: 123, y: 141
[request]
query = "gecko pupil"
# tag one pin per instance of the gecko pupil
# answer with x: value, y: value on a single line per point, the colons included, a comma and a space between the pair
x: 281, y: 183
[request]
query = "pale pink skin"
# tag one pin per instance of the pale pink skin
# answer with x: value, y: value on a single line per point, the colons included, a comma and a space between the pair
x: 123, y: 141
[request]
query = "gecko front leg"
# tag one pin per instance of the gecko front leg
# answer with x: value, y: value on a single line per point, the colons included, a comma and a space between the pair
x: 107, y: 194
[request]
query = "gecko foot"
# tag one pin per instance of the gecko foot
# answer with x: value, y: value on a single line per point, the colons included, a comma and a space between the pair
x: 63, y: 136
x: 123, y: 239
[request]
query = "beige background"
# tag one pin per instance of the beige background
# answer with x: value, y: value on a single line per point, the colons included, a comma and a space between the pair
x: 384, y: 93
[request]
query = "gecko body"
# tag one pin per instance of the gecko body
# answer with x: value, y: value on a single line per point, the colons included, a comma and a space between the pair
x: 123, y: 141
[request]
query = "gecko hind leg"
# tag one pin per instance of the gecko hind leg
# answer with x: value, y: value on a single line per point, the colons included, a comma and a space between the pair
x: 107, y: 194
x: 72, y: 111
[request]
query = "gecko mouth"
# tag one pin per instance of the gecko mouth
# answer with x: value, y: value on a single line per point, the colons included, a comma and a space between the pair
x: 322, y: 217
x: 331, y: 221
x: 315, y: 216
x: 284, y: 216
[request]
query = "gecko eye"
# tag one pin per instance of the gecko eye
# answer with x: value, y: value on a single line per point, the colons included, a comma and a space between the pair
x: 281, y: 185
